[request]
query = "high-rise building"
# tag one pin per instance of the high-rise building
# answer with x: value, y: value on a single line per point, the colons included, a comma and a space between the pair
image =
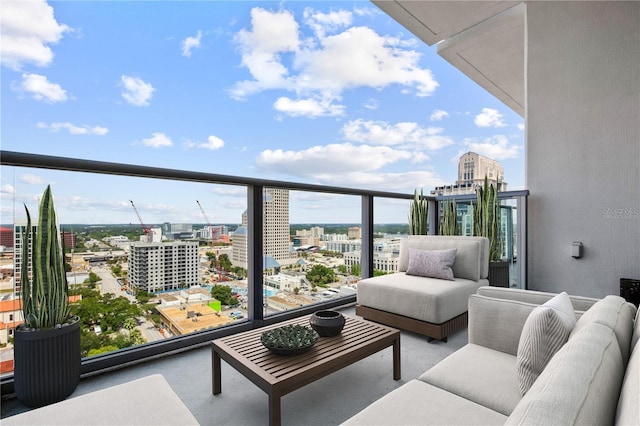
x: 276, y: 237
x: 354, y: 232
x: 18, y: 243
x: 6, y: 237
x: 472, y: 168
x: 68, y: 239
x: 156, y: 267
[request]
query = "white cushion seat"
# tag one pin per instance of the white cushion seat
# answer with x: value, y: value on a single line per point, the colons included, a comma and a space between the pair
x: 422, y: 298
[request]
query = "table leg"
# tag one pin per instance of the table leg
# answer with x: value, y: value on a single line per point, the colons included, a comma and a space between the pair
x: 274, y: 409
x: 396, y: 359
x: 217, y: 373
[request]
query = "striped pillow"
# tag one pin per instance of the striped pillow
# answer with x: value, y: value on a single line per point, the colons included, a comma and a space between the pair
x: 543, y: 334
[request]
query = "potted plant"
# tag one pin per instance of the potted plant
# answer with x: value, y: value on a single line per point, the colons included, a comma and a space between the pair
x: 486, y: 223
x: 47, y: 344
x: 418, y: 210
x: 449, y: 221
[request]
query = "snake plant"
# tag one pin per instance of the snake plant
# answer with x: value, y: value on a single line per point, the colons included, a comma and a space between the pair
x: 418, y: 210
x: 449, y: 222
x: 486, y: 218
x: 44, y: 291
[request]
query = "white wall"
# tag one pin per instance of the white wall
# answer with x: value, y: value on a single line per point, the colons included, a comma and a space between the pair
x: 583, y: 144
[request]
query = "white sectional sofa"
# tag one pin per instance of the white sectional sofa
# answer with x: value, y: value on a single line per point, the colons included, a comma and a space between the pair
x: 593, y: 379
x: 434, y: 307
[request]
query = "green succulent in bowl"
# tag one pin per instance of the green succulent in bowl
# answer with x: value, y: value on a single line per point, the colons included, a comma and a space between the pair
x: 289, y: 339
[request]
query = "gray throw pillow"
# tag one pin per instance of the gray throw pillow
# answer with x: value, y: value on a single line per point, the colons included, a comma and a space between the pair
x: 542, y: 336
x: 432, y: 263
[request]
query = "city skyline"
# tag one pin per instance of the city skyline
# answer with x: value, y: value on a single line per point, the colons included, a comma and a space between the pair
x: 241, y: 89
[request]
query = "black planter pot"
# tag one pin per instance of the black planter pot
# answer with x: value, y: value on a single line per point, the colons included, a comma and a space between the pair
x: 46, y: 363
x: 327, y: 323
x: 499, y: 273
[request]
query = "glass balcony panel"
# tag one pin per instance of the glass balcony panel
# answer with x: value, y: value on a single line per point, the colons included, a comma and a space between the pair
x: 218, y: 211
x: 311, y: 239
x: 144, y: 257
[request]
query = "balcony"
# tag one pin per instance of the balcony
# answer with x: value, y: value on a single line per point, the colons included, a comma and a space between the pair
x: 571, y: 201
x: 257, y: 292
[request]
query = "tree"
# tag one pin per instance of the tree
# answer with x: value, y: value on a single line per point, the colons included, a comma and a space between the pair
x: 212, y: 259
x: 342, y: 269
x: 321, y: 275
x: 356, y: 270
x: 93, y: 278
x: 223, y: 293
x: 116, y: 270
x: 225, y: 263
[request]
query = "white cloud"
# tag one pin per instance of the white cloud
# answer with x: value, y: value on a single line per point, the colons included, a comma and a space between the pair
x: 31, y: 179
x: 404, y: 133
x: 7, y: 190
x: 272, y: 35
x: 190, y: 43
x: 308, y: 107
x: 213, y: 143
x: 319, y: 161
x: 39, y: 87
x: 394, y: 182
x: 520, y: 126
x: 322, y: 66
x: 371, y: 104
x: 496, y: 147
x: 321, y: 23
x: 136, y: 91
x: 489, y: 117
x: 438, y: 115
x: 157, y: 140
x: 27, y: 28
x: 75, y: 130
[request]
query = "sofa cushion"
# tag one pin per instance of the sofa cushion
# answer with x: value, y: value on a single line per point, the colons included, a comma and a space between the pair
x: 579, y: 303
x: 615, y: 313
x: 580, y: 385
x: 628, y: 412
x: 431, y: 263
x: 482, y: 375
x: 468, y: 257
x: 426, y: 299
x: 419, y: 403
x: 543, y: 335
x: 484, y: 248
x: 146, y: 401
x: 488, y: 314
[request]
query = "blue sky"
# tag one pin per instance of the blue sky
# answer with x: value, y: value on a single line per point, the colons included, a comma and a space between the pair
x: 333, y: 93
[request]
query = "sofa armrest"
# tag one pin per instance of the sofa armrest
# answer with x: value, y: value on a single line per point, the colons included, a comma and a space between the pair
x: 497, y: 323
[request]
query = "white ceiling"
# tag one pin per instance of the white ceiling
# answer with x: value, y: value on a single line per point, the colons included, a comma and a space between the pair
x: 483, y: 39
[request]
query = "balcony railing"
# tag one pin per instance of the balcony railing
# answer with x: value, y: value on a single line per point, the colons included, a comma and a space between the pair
x: 257, y: 291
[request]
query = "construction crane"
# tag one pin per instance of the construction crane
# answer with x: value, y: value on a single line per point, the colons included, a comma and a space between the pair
x: 214, y: 236
x: 214, y: 232
x: 146, y: 229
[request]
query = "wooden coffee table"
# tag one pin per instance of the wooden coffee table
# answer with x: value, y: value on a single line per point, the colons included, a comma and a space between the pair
x: 278, y: 375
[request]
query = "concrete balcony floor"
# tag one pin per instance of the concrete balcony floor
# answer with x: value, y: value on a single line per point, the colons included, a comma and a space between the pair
x: 328, y: 401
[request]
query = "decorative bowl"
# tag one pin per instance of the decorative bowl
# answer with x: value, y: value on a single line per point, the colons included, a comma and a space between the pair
x: 327, y: 323
x: 289, y: 339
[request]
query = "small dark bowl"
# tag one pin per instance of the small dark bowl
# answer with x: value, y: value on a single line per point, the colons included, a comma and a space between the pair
x: 327, y: 323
